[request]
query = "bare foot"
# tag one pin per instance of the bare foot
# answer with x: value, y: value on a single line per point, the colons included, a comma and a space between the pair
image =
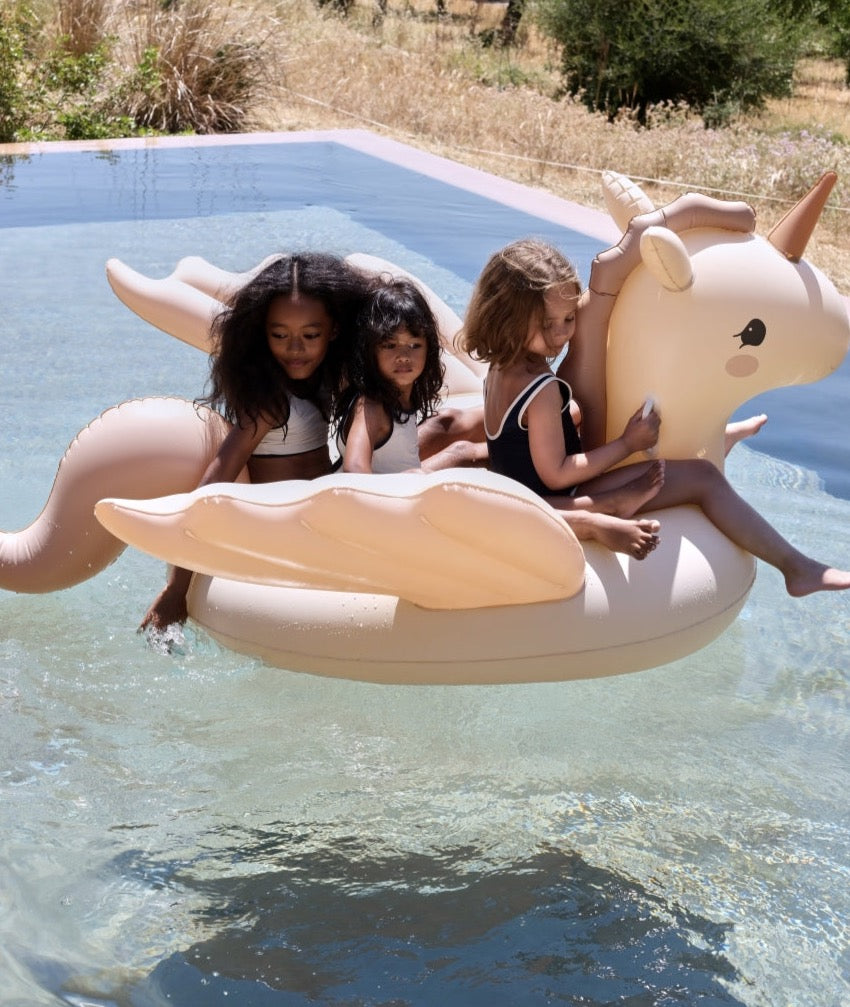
x: 635, y: 538
x: 626, y: 500
x: 742, y: 429
x: 808, y: 576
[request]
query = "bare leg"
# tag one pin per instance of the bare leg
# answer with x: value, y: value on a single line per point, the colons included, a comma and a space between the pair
x: 634, y: 537
x: 627, y: 499
x: 741, y: 429
x: 699, y: 482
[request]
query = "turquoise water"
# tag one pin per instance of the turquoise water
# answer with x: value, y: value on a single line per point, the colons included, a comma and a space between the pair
x: 198, y: 829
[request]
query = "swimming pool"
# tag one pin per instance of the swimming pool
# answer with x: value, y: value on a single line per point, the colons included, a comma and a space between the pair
x: 199, y: 829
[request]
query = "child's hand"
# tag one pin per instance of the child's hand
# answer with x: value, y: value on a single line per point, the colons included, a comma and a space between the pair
x: 169, y: 607
x: 641, y: 431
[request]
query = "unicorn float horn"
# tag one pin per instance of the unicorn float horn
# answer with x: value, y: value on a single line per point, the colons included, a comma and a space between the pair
x: 791, y: 235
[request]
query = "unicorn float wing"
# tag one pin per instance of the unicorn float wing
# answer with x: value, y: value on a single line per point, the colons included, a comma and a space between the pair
x: 441, y: 541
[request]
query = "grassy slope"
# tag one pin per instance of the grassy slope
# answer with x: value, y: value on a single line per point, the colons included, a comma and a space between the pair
x: 427, y: 82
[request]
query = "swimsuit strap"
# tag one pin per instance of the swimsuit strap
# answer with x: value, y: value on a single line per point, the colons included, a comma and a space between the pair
x: 522, y: 399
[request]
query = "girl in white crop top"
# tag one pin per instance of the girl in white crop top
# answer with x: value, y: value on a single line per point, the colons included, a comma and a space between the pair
x: 276, y: 371
x: 306, y: 430
x: 396, y: 375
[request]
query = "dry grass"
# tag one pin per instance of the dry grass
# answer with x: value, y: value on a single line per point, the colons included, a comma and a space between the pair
x: 428, y: 81
x: 83, y: 24
x: 821, y: 99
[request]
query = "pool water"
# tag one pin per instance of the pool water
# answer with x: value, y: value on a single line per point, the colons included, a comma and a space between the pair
x: 197, y: 829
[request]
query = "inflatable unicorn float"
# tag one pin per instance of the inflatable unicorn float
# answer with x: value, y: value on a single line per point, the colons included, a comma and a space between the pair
x: 462, y: 576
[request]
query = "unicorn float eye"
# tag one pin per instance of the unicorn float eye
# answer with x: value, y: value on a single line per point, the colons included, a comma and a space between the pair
x: 752, y: 334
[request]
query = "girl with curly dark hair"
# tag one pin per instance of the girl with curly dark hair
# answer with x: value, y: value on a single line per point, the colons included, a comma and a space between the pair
x: 277, y: 367
x: 395, y: 375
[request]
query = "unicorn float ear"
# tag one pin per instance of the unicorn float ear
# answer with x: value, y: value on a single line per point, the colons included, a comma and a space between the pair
x: 791, y: 235
x: 665, y: 256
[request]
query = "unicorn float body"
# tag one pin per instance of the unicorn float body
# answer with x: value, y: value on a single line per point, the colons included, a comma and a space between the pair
x: 462, y: 576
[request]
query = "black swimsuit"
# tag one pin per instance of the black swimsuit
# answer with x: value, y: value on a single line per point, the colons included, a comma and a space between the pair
x: 510, y: 452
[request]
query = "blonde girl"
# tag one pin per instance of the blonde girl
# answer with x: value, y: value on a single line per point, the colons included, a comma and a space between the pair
x: 521, y: 316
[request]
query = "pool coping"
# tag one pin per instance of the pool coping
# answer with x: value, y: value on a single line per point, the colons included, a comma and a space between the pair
x: 515, y: 195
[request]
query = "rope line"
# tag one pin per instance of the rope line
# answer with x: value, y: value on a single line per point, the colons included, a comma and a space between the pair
x: 551, y: 164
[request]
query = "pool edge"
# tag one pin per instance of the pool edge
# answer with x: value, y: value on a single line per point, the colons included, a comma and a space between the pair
x: 525, y: 198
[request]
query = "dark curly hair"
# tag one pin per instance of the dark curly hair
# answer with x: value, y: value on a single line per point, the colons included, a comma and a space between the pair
x: 393, y: 304
x: 246, y: 381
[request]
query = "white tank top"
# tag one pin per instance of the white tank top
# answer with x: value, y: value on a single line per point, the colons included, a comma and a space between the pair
x: 398, y: 453
x: 306, y: 430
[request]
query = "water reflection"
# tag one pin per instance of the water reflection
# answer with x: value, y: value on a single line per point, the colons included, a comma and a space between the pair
x: 294, y: 921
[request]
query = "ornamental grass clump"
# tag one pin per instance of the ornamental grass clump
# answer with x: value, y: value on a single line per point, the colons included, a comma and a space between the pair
x: 196, y: 66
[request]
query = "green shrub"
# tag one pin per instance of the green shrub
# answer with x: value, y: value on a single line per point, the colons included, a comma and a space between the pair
x: 76, y: 74
x: 718, y: 56
x: 94, y: 124
x: 79, y: 99
x: 14, y: 101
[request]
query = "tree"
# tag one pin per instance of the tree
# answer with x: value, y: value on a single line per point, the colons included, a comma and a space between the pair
x: 510, y: 21
x: 718, y: 56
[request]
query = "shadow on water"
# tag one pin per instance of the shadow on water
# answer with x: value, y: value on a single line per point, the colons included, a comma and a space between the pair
x: 293, y: 923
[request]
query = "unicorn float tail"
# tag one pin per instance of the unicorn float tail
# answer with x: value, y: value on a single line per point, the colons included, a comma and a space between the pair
x: 141, y: 448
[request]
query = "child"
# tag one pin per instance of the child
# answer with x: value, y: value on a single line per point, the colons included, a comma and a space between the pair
x: 396, y: 376
x: 522, y: 314
x: 275, y: 372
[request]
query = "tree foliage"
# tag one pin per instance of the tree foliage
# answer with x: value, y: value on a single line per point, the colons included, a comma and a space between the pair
x: 718, y: 56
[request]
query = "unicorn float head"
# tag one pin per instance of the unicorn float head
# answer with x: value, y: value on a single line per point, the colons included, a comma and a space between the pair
x: 700, y: 314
